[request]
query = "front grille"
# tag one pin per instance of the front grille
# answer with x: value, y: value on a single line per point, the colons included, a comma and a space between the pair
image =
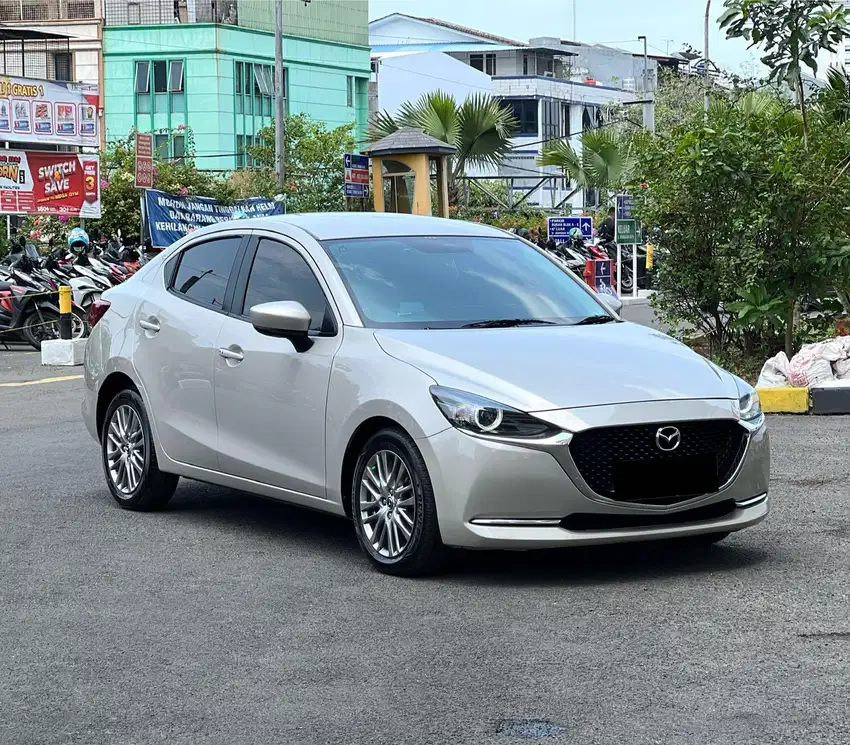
x: 597, y: 451
x: 588, y: 521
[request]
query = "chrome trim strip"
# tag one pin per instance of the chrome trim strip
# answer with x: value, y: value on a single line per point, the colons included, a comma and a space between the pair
x: 752, y: 502
x: 507, y: 522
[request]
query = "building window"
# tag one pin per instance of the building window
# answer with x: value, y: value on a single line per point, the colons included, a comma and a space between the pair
x: 160, y: 86
x: 178, y: 147
x: 243, y: 157
x: 62, y: 64
x: 525, y: 112
x: 490, y: 64
x: 525, y: 64
x: 254, y: 88
x: 349, y: 90
x: 160, y: 147
x: 477, y: 61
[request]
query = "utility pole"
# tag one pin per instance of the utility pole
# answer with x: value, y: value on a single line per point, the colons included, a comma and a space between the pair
x: 575, y: 22
x: 705, y: 63
x: 279, y: 97
x: 648, y: 95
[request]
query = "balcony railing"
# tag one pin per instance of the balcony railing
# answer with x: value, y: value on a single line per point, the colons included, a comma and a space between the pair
x: 48, y: 10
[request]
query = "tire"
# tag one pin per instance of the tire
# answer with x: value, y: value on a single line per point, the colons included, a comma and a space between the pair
x: 423, y: 552
x: 37, y: 329
x: 140, y: 486
x: 79, y: 325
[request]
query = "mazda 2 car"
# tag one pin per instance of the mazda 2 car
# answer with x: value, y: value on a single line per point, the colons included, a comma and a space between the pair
x: 440, y: 383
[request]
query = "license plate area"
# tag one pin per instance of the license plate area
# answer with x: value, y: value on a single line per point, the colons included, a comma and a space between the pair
x: 683, y: 477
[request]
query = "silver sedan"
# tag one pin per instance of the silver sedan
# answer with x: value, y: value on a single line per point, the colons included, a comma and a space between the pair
x: 440, y: 383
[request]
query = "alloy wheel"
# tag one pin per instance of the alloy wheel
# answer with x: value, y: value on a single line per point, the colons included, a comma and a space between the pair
x: 387, y: 504
x: 125, y: 449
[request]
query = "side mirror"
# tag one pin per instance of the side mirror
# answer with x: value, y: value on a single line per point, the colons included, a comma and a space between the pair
x: 284, y: 319
x: 612, y: 301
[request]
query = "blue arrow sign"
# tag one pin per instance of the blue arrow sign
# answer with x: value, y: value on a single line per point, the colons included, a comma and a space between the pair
x: 357, y: 162
x: 560, y: 227
x: 357, y: 190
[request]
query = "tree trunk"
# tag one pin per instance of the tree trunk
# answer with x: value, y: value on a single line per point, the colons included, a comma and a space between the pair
x: 789, y: 327
x: 802, y: 101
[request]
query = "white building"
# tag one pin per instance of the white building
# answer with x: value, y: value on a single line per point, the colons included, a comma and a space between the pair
x: 53, y: 40
x: 557, y: 89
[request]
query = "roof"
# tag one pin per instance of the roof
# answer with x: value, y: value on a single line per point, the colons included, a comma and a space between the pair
x: 325, y: 226
x: 455, y: 27
x: 409, y: 140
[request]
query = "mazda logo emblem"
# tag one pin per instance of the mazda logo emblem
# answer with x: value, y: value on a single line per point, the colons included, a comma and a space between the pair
x: 668, y: 439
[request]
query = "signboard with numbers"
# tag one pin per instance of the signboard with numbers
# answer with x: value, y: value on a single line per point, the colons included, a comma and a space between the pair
x: 144, y: 161
x: 560, y: 227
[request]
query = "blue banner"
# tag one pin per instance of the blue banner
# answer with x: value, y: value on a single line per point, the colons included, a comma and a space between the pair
x: 170, y: 217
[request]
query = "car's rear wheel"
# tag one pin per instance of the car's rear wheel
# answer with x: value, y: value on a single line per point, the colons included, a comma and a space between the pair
x: 129, y: 457
x: 393, y: 507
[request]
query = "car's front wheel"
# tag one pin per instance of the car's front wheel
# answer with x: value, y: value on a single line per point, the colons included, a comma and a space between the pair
x: 393, y: 507
x: 129, y: 457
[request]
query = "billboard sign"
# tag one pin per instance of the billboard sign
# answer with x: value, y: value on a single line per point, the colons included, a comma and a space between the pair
x: 47, y: 183
x: 170, y: 217
x: 48, y: 112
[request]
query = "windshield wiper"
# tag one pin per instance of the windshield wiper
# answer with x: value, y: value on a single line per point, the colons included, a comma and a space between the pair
x: 593, y: 320
x: 505, y: 323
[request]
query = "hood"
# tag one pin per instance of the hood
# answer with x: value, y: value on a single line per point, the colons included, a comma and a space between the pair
x: 545, y: 368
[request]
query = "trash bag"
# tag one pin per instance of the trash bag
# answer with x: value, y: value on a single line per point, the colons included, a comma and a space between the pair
x: 774, y: 373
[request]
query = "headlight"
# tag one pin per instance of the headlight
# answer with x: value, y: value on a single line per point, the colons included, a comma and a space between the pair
x: 749, y: 405
x: 482, y: 416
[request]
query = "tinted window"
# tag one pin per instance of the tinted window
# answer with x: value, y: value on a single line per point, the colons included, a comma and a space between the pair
x: 448, y: 282
x: 205, y: 270
x: 280, y: 273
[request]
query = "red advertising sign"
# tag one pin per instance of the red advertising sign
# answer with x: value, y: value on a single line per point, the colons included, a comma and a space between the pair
x: 45, y: 183
x: 144, y: 161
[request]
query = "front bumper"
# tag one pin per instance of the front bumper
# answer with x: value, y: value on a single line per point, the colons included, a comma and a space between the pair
x: 492, y: 494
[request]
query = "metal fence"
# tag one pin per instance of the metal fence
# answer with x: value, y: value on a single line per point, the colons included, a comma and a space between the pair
x: 48, y: 10
x: 152, y: 12
x: 48, y: 59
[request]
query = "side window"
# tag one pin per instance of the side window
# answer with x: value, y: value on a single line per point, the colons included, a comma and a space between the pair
x: 280, y: 273
x: 204, y: 271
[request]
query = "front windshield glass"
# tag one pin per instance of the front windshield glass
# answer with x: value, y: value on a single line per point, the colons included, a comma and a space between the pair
x: 457, y: 281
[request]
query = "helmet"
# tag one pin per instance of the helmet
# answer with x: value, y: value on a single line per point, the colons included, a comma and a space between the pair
x: 78, y: 240
x: 239, y: 215
x: 576, y: 233
x: 522, y: 233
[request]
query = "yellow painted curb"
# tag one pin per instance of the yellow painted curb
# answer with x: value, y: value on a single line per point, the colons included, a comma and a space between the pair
x: 784, y: 400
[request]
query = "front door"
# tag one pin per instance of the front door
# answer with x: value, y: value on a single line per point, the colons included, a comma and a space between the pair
x: 271, y: 399
x: 176, y: 330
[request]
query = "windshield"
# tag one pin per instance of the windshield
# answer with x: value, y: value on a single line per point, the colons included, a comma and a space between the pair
x: 453, y: 282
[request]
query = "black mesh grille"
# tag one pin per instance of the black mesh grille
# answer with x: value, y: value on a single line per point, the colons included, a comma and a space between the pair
x: 596, y: 451
x: 588, y: 521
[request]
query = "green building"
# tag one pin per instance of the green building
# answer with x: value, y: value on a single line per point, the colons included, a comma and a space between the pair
x: 206, y: 68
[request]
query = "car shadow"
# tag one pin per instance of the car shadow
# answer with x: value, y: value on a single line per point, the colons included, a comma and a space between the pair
x: 334, y: 538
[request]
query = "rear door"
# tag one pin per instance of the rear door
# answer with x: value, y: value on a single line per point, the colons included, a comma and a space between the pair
x: 271, y: 399
x: 177, y: 327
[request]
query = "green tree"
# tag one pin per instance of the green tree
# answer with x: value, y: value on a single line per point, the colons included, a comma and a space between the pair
x: 314, y: 165
x: 744, y: 204
x: 480, y: 128
x: 792, y: 33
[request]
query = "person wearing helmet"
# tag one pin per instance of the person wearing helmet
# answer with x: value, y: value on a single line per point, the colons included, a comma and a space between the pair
x: 523, y: 233
x: 78, y: 241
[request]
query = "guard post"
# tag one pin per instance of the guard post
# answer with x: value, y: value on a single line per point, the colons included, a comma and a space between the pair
x: 64, y: 312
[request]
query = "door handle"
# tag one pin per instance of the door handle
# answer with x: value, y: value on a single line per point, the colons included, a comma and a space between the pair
x: 150, y: 324
x: 231, y: 354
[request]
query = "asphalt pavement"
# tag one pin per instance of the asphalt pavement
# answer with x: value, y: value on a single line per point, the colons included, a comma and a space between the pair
x: 230, y: 620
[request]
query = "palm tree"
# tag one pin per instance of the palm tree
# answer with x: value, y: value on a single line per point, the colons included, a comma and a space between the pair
x: 606, y: 161
x: 480, y: 128
x: 834, y: 100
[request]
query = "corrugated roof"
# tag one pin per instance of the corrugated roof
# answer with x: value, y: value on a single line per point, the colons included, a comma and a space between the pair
x: 459, y: 28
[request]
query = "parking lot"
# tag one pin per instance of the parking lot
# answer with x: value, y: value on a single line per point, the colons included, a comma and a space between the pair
x: 228, y: 619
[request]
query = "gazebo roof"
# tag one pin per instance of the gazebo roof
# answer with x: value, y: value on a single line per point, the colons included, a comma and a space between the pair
x: 409, y: 140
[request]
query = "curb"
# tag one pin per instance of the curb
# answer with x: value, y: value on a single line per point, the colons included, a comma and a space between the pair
x: 784, y: 400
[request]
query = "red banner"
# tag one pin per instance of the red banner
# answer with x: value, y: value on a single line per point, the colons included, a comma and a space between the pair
x: 46, y: 183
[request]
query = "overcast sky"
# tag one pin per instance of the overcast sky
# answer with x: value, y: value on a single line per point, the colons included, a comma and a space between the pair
x: 668, y: 24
